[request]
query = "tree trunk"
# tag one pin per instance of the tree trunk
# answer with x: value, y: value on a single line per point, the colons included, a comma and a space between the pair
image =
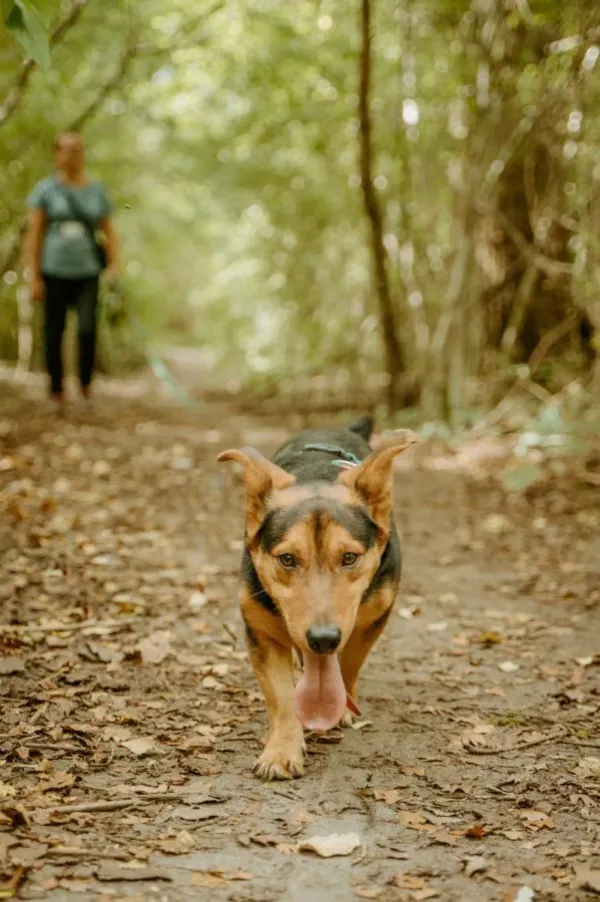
x: 395, y: 357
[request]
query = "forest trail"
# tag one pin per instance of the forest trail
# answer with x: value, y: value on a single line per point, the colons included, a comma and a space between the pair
x: 473, y: 773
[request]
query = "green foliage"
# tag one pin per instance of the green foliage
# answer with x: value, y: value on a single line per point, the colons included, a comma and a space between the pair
x: 27, y: 20
x: 227, y: 136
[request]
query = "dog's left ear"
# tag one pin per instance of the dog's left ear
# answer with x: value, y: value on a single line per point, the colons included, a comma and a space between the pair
x: 372, y: 479
x: 260, y: 477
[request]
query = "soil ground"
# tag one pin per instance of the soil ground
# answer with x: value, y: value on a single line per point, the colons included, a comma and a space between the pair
x: 130, y: 718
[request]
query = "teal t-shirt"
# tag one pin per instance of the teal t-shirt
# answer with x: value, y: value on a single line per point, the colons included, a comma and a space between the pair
x: 68, y: 250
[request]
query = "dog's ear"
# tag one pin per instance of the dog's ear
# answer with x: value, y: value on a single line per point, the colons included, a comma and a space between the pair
x: 372, y: 479
x: 260, y: 477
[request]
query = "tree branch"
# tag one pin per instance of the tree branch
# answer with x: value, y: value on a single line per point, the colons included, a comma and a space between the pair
x: 12, y: 100
x: 394, y: 353
x: 529, y: 251
x: 151, y: 49
x: 131, y: 52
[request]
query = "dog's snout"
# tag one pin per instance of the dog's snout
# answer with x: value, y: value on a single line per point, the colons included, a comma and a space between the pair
x: 323, y: 639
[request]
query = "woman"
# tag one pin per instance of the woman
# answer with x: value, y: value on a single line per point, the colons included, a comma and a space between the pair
x: 64, y: 259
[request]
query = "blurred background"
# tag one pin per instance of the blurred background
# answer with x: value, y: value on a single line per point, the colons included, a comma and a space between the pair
x: 266, y: 160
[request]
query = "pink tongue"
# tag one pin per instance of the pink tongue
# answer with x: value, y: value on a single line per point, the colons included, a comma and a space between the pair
x: 320, y: 694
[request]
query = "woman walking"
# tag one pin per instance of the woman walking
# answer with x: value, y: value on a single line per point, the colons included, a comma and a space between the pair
x: 65, y: 259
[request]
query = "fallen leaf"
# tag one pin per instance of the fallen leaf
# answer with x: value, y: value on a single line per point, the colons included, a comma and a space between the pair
x: 476, y: 736
x: 442, y: 838
x: 117, y: 734
x: 589, y: 660
x: 211, y: 879
x: 197, y: 600
x: 389, y: 796
x: 334, y: 844
x: 411, y: 818
x: 16, y: 815
x: 266, y: 839
x: 512, y: 834
x: 28, y: 853
x: 207, y: 879
x: 109, y: 871
x: 589, y: 767
x: 155, y: 648
x: 9, y: 666
x: 145, y: 745
x: 220, y: 670
x: 7, y: 791
x: 489, y: 638
x: 475, y: 865
x: 10, y: 887
x: 177, y: 845
x: 588, y: 878
x: 301, y: 816
x: 188, y: 813
x: 508, y: 666
x: 58, y: 780
x: 365, y: 893
x: 408, y: 881
x: 475, y: 831
x: 536, y: 820
x: 496, y: 524
x: 420, y: 888
x: 520, y: 894
x: 74, y: 886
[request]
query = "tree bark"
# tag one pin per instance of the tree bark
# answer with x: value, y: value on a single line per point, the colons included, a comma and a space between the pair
x: 395, y: 357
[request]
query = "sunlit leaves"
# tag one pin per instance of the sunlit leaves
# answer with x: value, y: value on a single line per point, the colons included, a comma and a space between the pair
x: 27, y: 20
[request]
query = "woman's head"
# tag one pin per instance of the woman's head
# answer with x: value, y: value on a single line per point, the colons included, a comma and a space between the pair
x: 68, y: 152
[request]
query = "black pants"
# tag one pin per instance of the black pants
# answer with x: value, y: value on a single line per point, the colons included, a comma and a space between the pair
x: 82, y: 294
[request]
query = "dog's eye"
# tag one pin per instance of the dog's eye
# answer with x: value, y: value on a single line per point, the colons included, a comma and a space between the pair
x: 349, y: 558
x: 288, y: 561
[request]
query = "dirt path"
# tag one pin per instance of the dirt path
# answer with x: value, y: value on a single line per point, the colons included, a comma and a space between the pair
x: 474, y: 773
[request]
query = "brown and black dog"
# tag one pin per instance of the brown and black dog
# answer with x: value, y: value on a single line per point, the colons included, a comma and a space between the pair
x: 321, y: 569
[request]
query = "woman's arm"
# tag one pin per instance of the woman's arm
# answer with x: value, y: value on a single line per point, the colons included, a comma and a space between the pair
x: 112, y: 247
x: 34, y: 243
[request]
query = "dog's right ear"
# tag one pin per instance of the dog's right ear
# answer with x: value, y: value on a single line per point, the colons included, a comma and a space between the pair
x: 372, y: 478
x: 260, y: 477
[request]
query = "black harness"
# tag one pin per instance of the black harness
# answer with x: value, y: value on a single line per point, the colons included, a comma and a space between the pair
x: 343, y: 458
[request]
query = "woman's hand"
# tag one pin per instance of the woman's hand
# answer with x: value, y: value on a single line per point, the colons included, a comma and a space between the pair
x: 111, y: 273
x: 37, y: 288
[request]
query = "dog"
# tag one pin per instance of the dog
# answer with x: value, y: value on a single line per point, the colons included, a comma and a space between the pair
x: 320, y: 570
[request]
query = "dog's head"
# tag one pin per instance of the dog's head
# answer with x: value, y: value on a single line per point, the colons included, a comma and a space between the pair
x: 317, y: 546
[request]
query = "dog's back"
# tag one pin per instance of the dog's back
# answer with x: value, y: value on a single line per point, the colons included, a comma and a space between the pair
x: 316, y: 455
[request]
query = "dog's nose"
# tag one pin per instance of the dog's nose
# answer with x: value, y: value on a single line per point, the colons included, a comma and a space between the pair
x: 323, y: 639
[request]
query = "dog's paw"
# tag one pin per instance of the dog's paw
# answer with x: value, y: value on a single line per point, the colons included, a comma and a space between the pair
x: 281, y: 761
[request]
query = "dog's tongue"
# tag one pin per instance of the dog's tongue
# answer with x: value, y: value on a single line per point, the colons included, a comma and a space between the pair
x: 320, y: 694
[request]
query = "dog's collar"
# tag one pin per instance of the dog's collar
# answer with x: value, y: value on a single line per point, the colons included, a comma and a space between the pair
x: 344, y: 458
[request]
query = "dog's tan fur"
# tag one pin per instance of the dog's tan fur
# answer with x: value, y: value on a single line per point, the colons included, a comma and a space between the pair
x: 319, y: 590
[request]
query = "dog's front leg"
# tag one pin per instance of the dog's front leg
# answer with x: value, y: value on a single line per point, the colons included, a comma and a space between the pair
x: 283, y: 757
x: 371, y: 622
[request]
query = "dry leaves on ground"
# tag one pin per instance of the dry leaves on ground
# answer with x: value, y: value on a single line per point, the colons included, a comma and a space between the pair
x: 334, y: 844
